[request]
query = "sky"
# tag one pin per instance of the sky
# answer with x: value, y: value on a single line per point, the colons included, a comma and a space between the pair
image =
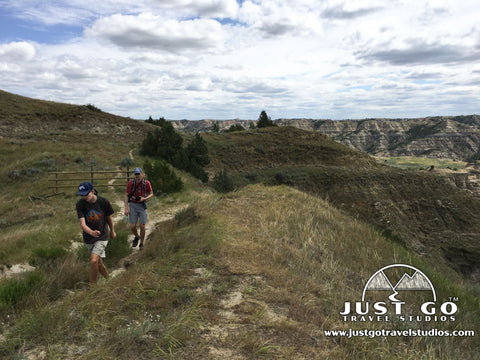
x: 227, y: 59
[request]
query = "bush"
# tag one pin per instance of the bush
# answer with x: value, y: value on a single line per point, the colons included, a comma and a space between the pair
x: 166, y: 144
x: 251, y: 176
x: 163, y: 143
x: 126, y: 162
x: 222, y: 182
x: 283, y: 178
x: 15, y: 290
x: 46, y: 255
x: 185, y: 216
x: 117, y: 249
x: 236, y: 127
x: 93, y: 108
x: 162, y: 178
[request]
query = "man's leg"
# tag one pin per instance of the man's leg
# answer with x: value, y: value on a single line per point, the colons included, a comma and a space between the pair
x: 133, y: 217
x: 143, y: 216
x: 133, y: 227
x: 142, y: 233
x: 135, y: 233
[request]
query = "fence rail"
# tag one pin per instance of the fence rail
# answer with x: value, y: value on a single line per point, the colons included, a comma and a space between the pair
x: 60, y: 178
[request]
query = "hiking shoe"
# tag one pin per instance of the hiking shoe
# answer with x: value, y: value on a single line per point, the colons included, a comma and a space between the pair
x: 140, y: 247
x: 135, y: 241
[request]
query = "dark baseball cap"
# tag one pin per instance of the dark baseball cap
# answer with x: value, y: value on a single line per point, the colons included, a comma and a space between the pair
x: 84, y: 188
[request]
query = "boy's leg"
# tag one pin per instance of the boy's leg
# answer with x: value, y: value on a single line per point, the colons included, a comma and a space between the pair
x: 94, y: 258
x: 102, y: 269
x: 97, y: 251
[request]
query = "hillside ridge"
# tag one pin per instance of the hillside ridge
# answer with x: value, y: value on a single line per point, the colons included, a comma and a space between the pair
x: 23, y: 117
x: 452, y: 137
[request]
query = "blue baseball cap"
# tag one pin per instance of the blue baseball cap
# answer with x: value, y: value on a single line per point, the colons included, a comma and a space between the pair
x: 137, y: 171
x: 84, y: 188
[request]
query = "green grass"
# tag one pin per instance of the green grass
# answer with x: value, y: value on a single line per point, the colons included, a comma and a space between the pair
x: 315, y: 258
x: 421, y: 163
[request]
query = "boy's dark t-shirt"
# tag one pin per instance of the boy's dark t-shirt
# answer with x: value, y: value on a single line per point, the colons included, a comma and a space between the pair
x: 95, y: 217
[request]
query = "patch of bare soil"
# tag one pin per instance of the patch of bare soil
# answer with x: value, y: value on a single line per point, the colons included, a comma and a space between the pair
x: 10, y: 271
x: 243, y: 318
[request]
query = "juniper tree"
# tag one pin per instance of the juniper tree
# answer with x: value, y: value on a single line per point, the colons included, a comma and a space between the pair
x: 264, y: 120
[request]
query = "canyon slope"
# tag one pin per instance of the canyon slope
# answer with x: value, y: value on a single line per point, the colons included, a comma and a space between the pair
x: 452, y: 137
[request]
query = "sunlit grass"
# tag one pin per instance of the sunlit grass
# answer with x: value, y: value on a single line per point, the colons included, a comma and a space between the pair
x: 422, y: 163
x: 316, y: 258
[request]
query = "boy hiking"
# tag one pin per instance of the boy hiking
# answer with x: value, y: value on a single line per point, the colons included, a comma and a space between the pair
x: 95, y: 217
x: 138, y: 192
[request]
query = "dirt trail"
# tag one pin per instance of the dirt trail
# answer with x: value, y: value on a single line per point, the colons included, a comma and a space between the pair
x: 154, y: 218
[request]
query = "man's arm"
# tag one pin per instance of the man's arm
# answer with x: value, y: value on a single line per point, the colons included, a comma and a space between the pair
x: 125, y: 203
x: 149, y: 194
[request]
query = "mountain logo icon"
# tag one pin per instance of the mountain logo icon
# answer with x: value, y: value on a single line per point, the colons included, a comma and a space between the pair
x: 410, y: 279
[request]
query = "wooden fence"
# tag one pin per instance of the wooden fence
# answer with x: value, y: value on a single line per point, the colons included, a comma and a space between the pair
x: 71, y: 179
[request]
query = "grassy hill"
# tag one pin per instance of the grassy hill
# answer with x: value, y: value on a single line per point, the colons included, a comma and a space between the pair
x: 421, y: 210
x: 22, y: 117
x: 261, y: 272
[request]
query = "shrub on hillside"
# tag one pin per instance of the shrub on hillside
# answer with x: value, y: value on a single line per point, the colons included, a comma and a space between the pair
x: 162, y: 178
x: 222, y: 182
x: 15, y: 290
x: 116, y: 250
x: 185, y: 216
x: 44, y: 256
x: 165, y: 144
x: 127, y: 162
x: 236, y: 127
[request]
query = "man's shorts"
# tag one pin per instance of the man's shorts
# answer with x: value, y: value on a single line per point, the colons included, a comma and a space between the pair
x: 137, y: 212
x: 97, y: 248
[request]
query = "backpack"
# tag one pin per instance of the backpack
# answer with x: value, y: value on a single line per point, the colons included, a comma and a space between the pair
x: 134, y: 185
x: 132, y: 191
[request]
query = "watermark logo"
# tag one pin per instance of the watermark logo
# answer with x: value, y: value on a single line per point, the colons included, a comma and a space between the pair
x: 401, y: 292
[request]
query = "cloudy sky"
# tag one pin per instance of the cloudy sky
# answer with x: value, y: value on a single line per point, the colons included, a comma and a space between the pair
x: 225, y: 59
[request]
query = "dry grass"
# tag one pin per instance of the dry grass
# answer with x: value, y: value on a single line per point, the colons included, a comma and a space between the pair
x: 294, y: 260
x: 258, y: 273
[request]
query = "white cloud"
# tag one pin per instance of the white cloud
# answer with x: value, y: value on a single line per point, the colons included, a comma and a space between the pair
x: 206, y: 8
x: 212, y: 58
x: 16, y: 52
x: 147, y: 31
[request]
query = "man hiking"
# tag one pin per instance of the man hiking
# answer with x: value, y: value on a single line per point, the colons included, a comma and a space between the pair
x: 139, y: 190
x: 95, y: 217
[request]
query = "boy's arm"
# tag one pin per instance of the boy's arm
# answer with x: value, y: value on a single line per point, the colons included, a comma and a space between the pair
x: 86, y: 229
